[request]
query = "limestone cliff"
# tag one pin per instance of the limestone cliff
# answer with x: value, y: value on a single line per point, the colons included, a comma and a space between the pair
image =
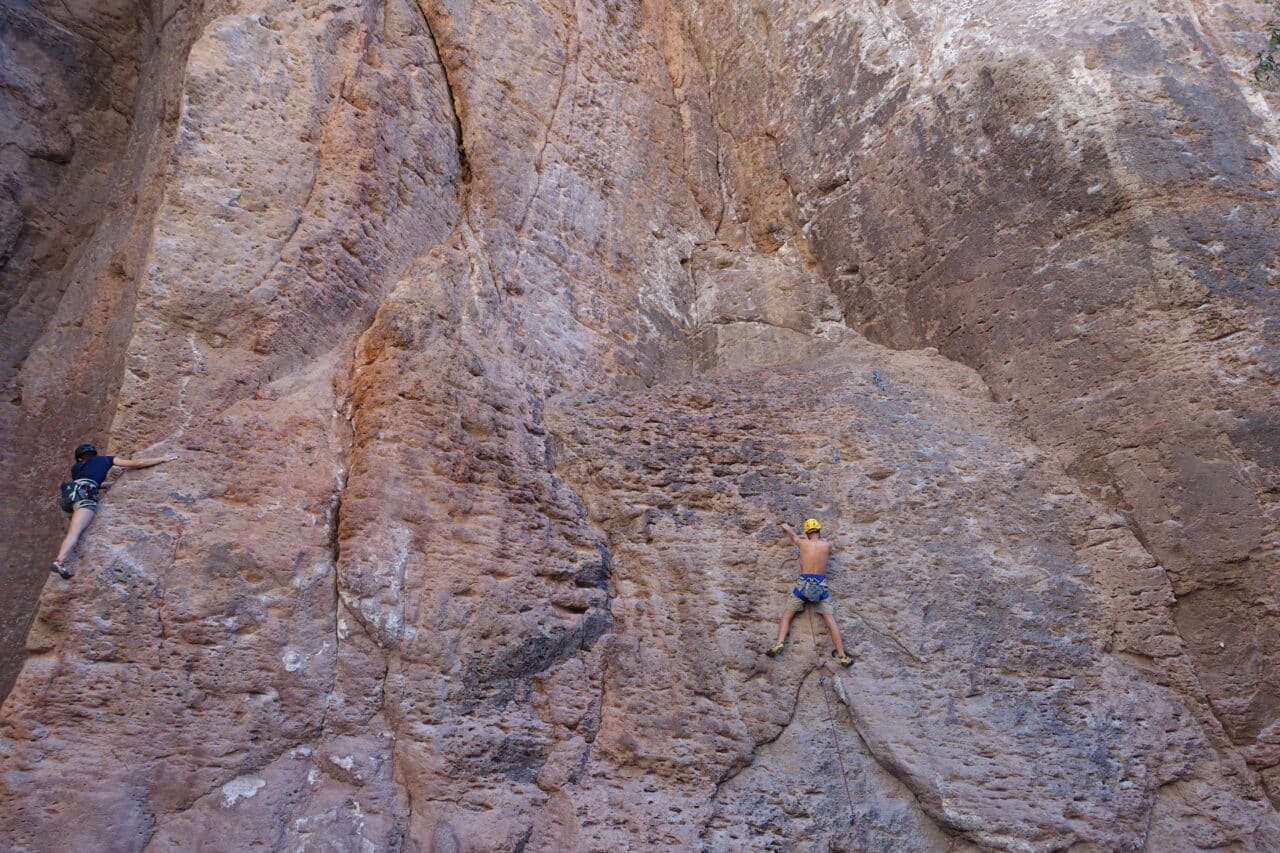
x: 495, y: 339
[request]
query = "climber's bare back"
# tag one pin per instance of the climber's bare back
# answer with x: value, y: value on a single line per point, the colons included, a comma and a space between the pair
x: 813, y: 556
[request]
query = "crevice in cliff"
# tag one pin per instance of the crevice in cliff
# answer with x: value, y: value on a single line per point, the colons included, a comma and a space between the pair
x: 345, y: 436
x: 736, y: 770
x: 455, y: 105
x: 939, y: 823
x: 1151, y: 814
x: 595, y: 715
x: 345, y: 427
x: 346, y: 431
x: 572, y: 47
x: 593, y: 718
x: 465, y: 227
x: 686, y: 46
x: 895, y: 772
x: 301, y: 210
x: 721, y: 178
x: 721, y: 171
x: 335, y: 553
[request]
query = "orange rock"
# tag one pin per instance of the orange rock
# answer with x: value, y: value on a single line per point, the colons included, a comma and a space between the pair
x: 496, y: 338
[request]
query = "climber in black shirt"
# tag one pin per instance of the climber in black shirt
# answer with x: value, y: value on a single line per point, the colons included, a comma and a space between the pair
x: 87, y: 476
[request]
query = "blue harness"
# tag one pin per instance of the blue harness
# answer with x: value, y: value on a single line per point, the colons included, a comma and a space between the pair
x: 811, y: 588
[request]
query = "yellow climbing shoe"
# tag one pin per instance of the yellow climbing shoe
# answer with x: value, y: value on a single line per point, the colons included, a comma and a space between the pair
x: 776, y: 650
x: 844, y: 661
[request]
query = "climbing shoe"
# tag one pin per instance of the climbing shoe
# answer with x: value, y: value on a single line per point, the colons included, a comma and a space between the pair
x: 776, y: 650
x: 60, y: 570
x: 845, y: 661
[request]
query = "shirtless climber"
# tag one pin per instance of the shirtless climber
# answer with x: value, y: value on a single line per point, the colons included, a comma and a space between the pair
x: 86, y: 481
x: 811, y: 587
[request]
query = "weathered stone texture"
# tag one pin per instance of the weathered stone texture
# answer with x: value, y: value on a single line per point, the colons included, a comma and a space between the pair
x: 271, y: 246
x: 1080, y: 203
x: 497, y: 337
x: 90, y: 104
x: 977, y: 586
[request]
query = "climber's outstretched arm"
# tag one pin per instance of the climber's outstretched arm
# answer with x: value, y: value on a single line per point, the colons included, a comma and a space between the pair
x: 144, y: 463
x: 791, y: 534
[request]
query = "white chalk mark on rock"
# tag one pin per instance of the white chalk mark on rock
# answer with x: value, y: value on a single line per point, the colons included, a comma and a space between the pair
x: 240, y: 787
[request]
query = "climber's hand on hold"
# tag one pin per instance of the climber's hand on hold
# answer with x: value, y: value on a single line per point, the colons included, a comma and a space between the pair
x: 791, y: 534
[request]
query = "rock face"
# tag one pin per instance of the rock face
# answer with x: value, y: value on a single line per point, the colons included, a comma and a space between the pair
x: 1081, y: 205
x: 88, y: 102
x: 495, y: 340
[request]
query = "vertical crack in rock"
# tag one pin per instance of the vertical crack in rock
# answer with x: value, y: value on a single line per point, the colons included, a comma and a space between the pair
x: 455, y: 105
x: 342, y: 471
x: 1151, y: 816
x: 570, y: 66
x: 733, y: 772
x: 893, y: 769
x: 722, y: 176
x: 471, y: 234
x: 691, y: 94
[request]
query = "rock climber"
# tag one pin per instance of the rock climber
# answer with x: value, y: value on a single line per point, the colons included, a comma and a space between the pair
x: 87, y: 475
x: 811, y: 587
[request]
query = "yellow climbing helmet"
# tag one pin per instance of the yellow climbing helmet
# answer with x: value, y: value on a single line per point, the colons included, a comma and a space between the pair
x: 811, y: 524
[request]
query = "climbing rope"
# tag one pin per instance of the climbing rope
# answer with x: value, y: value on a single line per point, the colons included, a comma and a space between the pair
x: 831, y: 718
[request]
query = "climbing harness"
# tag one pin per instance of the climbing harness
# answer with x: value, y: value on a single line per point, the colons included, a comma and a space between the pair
x: 822, y: 680
x: 811, y: 588
x: 75, y: 490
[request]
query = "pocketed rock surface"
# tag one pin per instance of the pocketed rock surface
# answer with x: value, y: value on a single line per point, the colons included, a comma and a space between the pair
x: 976, y: 588
x: 1078, y: 200
x: 496, y: 338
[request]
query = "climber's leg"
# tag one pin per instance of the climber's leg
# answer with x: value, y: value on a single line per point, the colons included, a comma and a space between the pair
x: 784, y: 627
x: 830, y: 618
x: 794, y: 606
x: 79, y: 521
